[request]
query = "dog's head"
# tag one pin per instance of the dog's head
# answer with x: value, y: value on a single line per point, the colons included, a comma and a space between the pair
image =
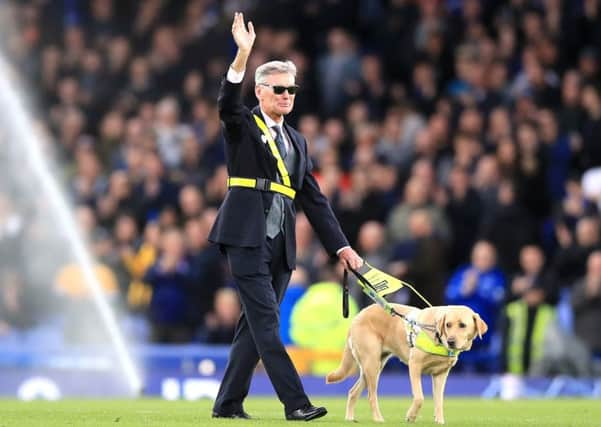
x: 458, y: 326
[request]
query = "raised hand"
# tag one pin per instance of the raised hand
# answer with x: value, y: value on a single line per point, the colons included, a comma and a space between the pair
x: 243, y: 37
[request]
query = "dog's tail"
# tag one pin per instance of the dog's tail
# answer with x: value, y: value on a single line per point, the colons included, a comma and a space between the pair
x: 347, y: 366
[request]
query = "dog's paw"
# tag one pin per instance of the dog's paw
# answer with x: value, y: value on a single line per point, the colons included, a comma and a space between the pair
x: 410, y: 418
x: 351, y: 419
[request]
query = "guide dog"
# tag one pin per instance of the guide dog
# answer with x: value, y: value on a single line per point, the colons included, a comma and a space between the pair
x: 427, y: 340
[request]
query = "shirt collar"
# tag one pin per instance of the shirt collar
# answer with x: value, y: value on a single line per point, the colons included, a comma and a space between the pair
x: 270, y: 122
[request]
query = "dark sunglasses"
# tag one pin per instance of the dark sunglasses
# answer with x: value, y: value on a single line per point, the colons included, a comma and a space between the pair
x: 278, y: 90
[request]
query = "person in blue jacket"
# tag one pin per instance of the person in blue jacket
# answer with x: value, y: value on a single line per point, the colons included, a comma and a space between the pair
x: 481, y: 286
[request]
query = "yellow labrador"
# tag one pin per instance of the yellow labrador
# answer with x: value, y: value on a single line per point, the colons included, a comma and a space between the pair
x: 428, y: 342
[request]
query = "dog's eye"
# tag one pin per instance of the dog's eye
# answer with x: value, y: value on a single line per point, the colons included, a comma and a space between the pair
x: 449, y: 324
x: 462, y: 325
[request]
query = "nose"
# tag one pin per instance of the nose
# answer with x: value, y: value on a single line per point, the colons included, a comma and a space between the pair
x: 451, y: 342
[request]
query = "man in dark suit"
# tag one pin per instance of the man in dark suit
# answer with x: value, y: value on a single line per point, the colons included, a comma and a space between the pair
x: 269, y: 170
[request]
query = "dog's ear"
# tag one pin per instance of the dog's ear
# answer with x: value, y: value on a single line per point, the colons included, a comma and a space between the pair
x: 481, y: 326
x: 440, y: 321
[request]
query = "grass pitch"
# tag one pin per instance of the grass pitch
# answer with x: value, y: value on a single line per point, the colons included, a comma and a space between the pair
x: 269, y: 412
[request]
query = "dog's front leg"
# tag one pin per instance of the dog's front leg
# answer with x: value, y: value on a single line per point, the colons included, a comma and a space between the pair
x: 438, y: 384
x: 415, y: 375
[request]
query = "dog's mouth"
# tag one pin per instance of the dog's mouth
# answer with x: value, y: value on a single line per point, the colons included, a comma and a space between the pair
x: 453, y: 345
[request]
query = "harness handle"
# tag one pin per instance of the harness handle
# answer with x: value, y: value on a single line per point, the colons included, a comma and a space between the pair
x: 371, y: 291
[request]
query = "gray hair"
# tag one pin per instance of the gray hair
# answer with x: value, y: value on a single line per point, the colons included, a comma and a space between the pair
x: 274, y: 67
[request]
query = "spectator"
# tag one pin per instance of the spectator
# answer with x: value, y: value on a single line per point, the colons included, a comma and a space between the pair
x: 320, y: 304
x: 481, y: 286
x: 81, y: 316
x: 463, y: 207
x: 570, y: 259
x: 170, y: 133
x: 529, y: 312
x: 207, y: 267
x: 137, y: 256
x: 221, y: 323
x: 586, y: 303
x: 416, y: 197
x: 340, y: 70
x: 372, y: 245
x: 508, y: 227
x: 170, y: 278
x: 425, y: 266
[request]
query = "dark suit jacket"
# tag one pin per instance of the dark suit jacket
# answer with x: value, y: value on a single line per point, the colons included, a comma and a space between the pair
x: 241, y: 218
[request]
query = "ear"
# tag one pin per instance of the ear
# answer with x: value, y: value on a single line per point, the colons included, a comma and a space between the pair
x: 258, y: 91
x: 481, y: 326
x: 440, y: 321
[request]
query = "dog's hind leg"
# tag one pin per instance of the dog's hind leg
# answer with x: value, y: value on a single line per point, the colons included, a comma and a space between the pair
x: 353, y: 395
x: 371, y: 368
x: 438, y: 384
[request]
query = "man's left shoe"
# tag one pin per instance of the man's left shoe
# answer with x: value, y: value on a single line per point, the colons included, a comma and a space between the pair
x: 234, y: 415
x: 306, y: 413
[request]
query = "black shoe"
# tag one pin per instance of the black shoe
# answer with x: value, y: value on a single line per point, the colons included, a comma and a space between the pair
x: 241, y: 414
x: 306, y: 413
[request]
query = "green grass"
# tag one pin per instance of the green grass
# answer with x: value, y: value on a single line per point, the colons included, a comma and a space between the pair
x: 268, y: 412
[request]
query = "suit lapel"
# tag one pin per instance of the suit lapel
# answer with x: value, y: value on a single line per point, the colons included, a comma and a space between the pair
x: 263, y: 142
x: 299, y: 152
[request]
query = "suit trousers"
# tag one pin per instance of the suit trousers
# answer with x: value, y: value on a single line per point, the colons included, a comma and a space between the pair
x: 261, y: 275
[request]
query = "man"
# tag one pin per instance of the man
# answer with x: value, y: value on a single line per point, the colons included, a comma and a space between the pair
x: 269, y: 169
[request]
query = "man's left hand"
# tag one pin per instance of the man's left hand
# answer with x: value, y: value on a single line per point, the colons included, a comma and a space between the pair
x: 349, y: 258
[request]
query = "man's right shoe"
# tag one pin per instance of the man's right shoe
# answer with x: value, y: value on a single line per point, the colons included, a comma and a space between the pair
x: 234, y: 415
x: 306, y: 413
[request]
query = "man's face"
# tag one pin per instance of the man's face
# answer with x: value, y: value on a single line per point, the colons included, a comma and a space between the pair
x: 271, y: 103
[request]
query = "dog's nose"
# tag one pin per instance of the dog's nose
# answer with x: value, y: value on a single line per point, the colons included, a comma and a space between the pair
x: 451, y: 342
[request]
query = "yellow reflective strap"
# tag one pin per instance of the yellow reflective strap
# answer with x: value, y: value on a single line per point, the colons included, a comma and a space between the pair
x: 425, y: 343
x: 282, y: 189
x: 241, y: 182
x: 234, y: 181
x: 274, y: 150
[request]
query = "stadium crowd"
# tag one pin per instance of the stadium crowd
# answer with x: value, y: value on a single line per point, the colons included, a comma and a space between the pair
x: 459, y: 143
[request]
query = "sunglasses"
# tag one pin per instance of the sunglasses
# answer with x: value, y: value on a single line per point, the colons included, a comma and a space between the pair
x: 278, y: 90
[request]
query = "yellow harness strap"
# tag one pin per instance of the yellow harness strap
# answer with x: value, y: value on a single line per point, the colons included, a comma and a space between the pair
x: 264, y: 184
x: 274, y: 150
x: 423, y: 341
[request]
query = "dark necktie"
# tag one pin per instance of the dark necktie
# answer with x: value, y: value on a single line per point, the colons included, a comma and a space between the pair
x: 275, y: 218
x: 279, y: 141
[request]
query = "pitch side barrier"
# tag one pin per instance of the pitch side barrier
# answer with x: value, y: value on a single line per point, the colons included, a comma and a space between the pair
x: 194, y: 371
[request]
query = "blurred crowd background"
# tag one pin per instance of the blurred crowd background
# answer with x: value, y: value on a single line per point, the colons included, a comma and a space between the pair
x: 459, y: 143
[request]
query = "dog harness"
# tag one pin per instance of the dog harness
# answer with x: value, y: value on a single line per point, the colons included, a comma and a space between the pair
x: 416, y: 331
x: 264, y: 184
x: 418, y: 338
